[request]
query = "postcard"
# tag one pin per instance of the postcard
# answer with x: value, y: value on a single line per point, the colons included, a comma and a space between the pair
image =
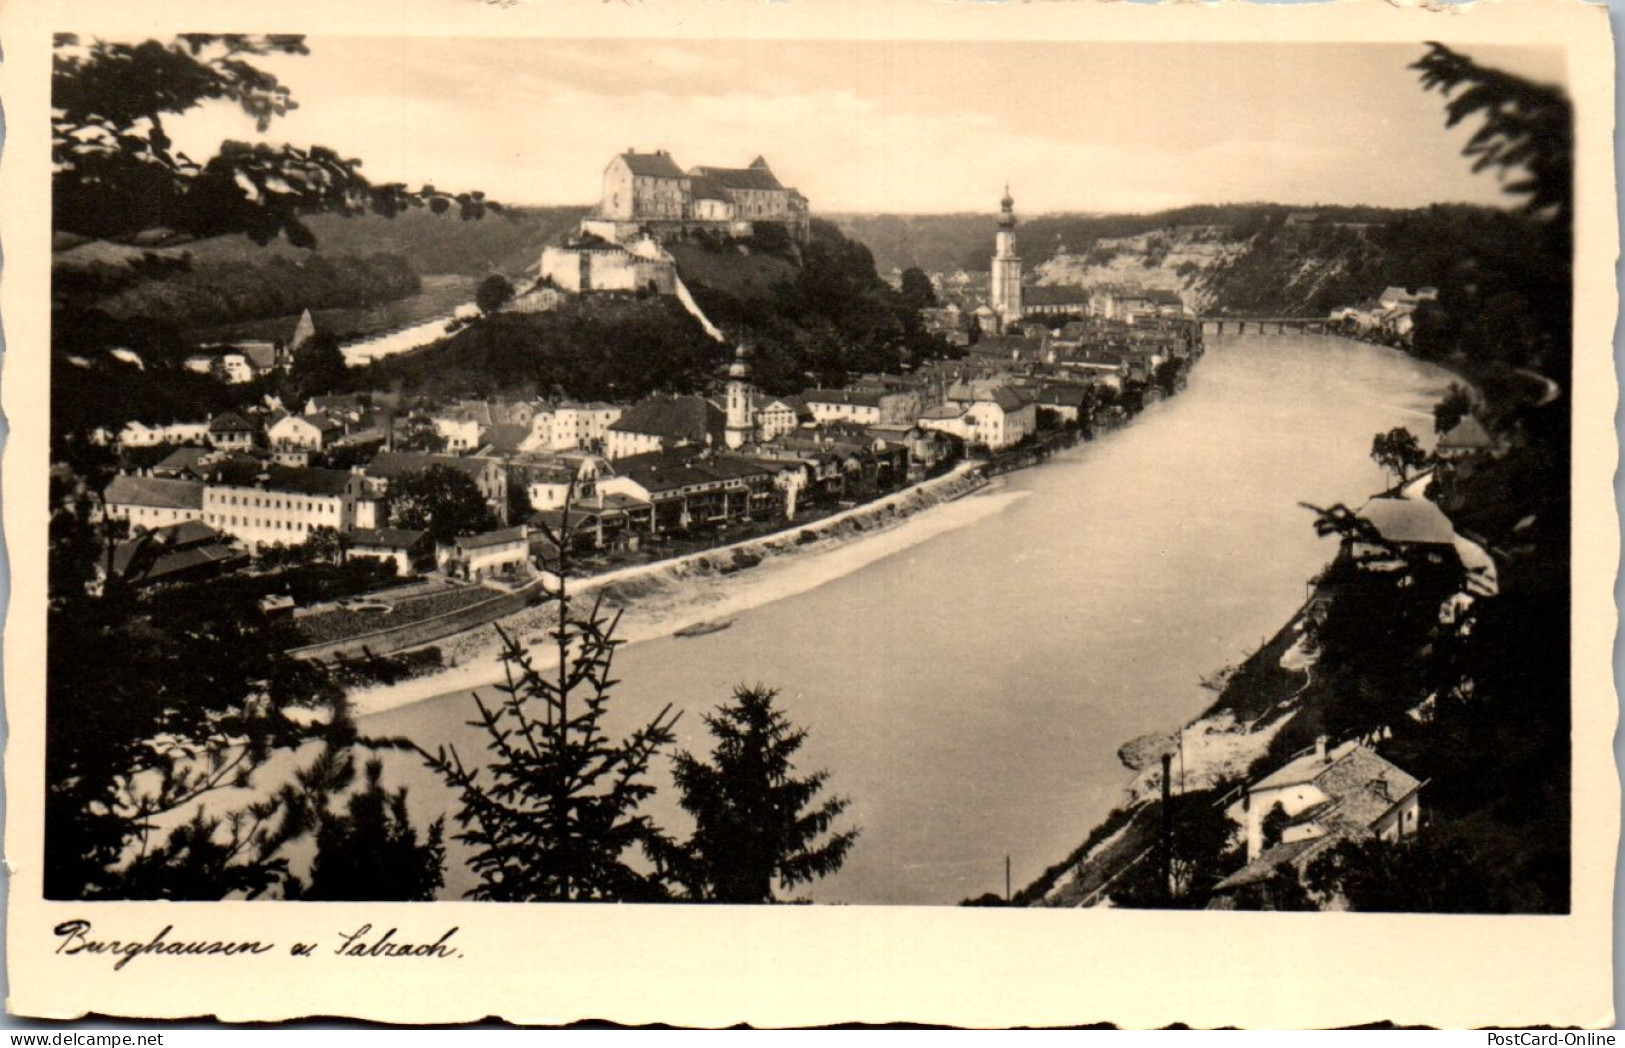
x: 790, y: 514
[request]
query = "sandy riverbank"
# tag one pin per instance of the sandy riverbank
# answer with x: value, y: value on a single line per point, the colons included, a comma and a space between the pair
x: 660, y: 598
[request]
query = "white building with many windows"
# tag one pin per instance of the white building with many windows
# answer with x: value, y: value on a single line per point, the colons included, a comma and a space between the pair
x: 278, y: 504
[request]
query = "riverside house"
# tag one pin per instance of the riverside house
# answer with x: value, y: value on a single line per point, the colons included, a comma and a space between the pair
x: 1321, y: 797
x: 505, y: 551
x: 695, y: 488
x: 408, y: 549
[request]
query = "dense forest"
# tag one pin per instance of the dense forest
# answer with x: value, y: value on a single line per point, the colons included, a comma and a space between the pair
x: 180, y: 292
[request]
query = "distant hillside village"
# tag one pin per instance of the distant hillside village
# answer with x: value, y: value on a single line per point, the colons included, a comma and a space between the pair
x: 1003, y: 302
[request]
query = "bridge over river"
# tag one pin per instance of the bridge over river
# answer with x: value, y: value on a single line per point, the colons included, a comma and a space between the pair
x: 1268, y: 325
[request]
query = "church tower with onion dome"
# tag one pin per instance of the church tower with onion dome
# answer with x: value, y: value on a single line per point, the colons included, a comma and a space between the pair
x: 739, y: 429
x: 1004, y: 288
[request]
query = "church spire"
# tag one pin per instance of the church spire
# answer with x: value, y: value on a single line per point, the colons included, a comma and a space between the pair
x: 1007, y: 214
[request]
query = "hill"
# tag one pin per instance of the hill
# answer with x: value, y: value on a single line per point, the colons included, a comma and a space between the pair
x: 943, y: 243
x: 812, y: 314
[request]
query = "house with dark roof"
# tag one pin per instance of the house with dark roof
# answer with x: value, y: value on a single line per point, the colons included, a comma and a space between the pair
x: 1464, y: 440
x: 603, y: 521
x: 504, y: 439
x: 1066, y: 401
x: 694, y: 487
x: 665, y: 423
x: 187, y: 552
x: 1319, y: 798
x: 185, y: 463
x: 643, y: 186
x: 230, y: 431
x: 1057, y: 300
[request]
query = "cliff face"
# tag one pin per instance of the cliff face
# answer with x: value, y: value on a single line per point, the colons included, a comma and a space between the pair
x: 1220, y: 268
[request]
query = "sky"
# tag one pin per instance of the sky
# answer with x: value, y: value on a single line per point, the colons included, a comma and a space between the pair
x: 892, y: 126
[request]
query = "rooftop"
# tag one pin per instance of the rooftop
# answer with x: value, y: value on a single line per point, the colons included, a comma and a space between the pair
x: 753, y: 177
x: 398, y: 463
x: 387, y: 538
x: 674, y: 419
x: 1468, y: 434
x: 159, y: 492
x: 297, y: 480
x: 486, y: 539
x: 1409, y: 521
x: 658, y: 164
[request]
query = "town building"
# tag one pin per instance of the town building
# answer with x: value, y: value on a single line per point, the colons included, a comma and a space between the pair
x: 582, y: 425
x: 265, y: 505
x: 695, y: 487
x: 505, y: 551
x: 140, y: 435
x: 590, y: 263
x: 866, y: 407
x: 303, y: 432
x: 1062, y: 300
x: 152, y: 502
x: 992, y: 417
x: 188, y: 551
x: 229, y: 431
x: 665, y: 423
x: 410, y: 550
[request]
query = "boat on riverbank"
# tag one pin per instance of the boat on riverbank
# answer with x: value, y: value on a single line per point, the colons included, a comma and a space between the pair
x: 700, y: 629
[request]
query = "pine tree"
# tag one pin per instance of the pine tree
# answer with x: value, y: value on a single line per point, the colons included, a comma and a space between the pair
x: 372, y: 854
x: 752, y: 821
x: 553, y: 817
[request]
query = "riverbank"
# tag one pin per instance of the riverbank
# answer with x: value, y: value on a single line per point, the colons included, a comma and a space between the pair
x: 659, y: 598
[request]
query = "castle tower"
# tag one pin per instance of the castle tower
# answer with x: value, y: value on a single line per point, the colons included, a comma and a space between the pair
x: 1004, y: 289
x: 739, y: 429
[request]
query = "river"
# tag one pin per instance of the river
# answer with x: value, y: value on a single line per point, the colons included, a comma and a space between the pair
x: 969, y: 692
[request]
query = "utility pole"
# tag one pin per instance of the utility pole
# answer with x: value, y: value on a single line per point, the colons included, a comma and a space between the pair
x: 1167, y: 830
x: 1007, y: 878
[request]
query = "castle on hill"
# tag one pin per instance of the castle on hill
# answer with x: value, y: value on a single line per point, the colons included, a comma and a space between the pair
x: 649, y: 193
x: 647, y: 202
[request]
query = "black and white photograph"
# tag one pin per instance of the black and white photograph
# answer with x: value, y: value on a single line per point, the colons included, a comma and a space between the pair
x: 950, y: 474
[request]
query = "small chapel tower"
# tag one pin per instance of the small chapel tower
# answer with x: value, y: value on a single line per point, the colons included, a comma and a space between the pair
x: 1004, y: 290
x: 739, y: 430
